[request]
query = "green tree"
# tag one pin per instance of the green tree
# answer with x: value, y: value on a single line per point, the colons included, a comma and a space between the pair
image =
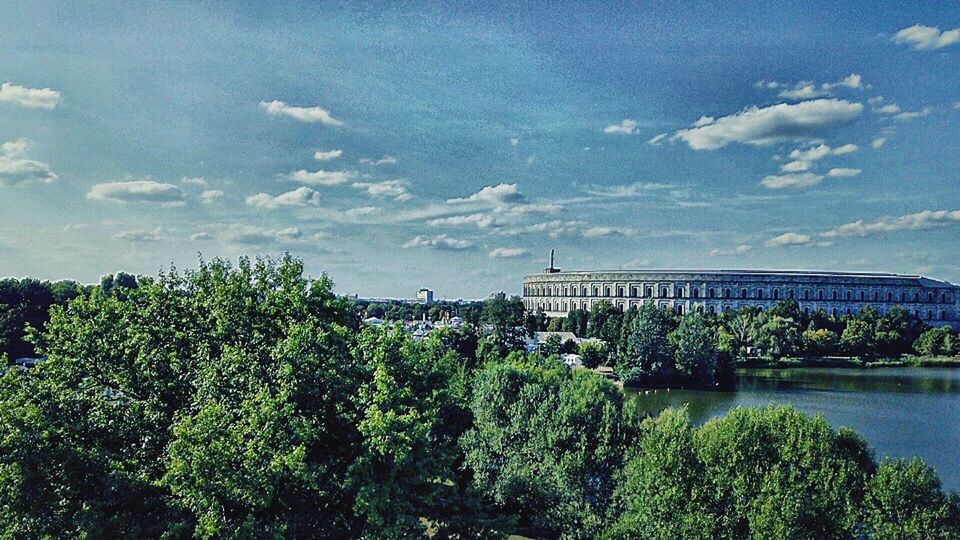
x: 904, y: 500
x: 592, y: 353
x: 779, y: 336
x: 695, y: 355
x: 648, y: 348
x: 819, y: 342
x: 858, y: 339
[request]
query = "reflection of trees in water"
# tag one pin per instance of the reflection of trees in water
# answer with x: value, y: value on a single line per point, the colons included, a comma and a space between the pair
x: 886, y: 380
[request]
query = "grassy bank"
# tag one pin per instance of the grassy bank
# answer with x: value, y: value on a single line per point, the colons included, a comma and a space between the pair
x: 850, y: 362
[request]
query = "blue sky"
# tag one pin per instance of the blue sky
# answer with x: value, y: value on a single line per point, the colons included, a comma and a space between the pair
x: 452, y: 145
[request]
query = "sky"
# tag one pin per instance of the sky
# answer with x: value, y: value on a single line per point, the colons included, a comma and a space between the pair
x: 452, y: 145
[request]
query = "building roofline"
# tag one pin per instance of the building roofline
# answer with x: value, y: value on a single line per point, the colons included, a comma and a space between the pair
x: 755, y: 272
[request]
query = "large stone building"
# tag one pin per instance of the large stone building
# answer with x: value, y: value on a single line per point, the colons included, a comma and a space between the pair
x: 838, y: 293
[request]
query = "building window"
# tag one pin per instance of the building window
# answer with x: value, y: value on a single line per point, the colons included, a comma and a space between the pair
x: 596, y: 291
x: 633, y: 292
x: 806, y: 294
x: 776, y: 294
x: 620, y: 292
x: 930, y: 297
x: 648, y: 292
x: 863, y: 296
x: 916, y: 297
x: 712, y: 309
x: 929, y: 314
x: 663, y: 292
x: 848, y: 311
x: 760, y: 293
x: 726, y: 293
x: 679, y: 308
x: 889, y: 297
x: 833, y: 295
x: 943, y: 314
x: 806, y: 311
x: 695, y: 293
x: 678, y: 293
x: 710, y: 292
x: 876, y: 296
x: 834, y: 311
x: 849, y: 296
x: 820, y: 294
x: 743, y: 293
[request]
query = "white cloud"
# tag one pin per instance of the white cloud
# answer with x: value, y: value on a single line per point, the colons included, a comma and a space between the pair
x: 738, y: 250
x: 395, y: 189
x: 303, y: 114
x: 498, y: 194
x: 791, y: 180
x: 16, y: 168
x: 878, y: 142
x: 821, y: 151
x: 146, y: 191
x: 300, y: 197
x: 322, y: 178
x: 327, y: 155
x: 769, y: 125
x: 657, y: 139
x: 911, y: 115
x: 809, y: 89
x: 33, y: 98
x: 210, y: 195
x: 625, y: 127
x: 441, y: 242
x: 526, y: 209
x: 385, y: 160
x: 795, y: 166
x: 890, y: 108
x: 925, y: 38
x: 926, y: 219
x: 250, y: 234
x: 141, y: 236
x: 507, y: 253
x: 956, y: 105
x: 844, y: 172
x: 514, y: 141
x: 363, y: 211
x: 201, y: 237
x: 193, y: 181
x: 480, y: 220
x: 626, y: 190
x: 790, y: 239
x: 598, y: 232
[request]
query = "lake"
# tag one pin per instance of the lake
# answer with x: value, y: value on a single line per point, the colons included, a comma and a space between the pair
x: 901, y: 412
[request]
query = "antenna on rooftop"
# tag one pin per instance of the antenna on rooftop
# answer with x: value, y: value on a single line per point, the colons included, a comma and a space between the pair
x: 552, y: 269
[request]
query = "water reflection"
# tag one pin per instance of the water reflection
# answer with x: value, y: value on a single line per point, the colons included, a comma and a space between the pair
x: 900, y: 411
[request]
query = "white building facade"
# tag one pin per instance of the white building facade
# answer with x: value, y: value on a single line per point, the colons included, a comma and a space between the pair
x: 837, y: 293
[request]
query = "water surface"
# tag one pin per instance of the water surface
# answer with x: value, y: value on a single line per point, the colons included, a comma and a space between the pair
x: 901, y: 412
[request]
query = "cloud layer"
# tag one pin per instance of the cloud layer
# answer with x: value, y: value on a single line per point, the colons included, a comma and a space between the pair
x: 33, y: 98
x: 303, y: 114
x: 17, y: 168
x: 145, y: 191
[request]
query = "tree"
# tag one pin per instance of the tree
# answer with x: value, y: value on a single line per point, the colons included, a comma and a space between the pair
x: 695, y: 355
x: 819, y: 342
x: 936, y: 341
x: 648, y: 348
x: 592, y: 353
x: 904, y: 500
x: 552, y: 346
x: 778, y: 336
x: 858, y: 339
x: 546, y: 445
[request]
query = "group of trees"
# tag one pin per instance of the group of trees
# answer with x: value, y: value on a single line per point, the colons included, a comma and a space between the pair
x: 396, y: 310
x: 26, y: 302
x: 246, y: 402
x: 782, y: 331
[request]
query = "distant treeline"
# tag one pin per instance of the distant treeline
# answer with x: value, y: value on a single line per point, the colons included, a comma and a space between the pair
x: 247, y: 402
x: 781, y: 331
x: 397, y: 310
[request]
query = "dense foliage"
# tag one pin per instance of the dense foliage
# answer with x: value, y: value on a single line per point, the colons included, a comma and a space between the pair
x: 246, y: 402
x: 26, y: 303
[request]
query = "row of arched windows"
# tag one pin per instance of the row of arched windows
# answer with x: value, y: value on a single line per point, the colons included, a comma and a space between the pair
x: 819, y: 294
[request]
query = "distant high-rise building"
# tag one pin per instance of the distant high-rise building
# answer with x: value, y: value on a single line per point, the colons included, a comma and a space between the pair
x: 425, y: 295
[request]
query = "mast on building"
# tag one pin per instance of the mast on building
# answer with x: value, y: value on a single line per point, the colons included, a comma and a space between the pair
x: 552, y: 269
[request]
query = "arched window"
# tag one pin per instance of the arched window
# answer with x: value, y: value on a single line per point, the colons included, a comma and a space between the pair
x: 776, y: 294
x: 743, y: 293
x: 663, y: 292
x: 943, y: 314
x: 889, y: 297
x: 848, y: 311
x: 929, y: 314
x: 712, y: 309
x: 820, y: 294
x: 710, y: 292
x: 695, y: 293
x: 678, y: 292
x: 833, y: 295
x: 633, y: 292
x: 760, y: 293
x: 863, y: 296
x: 930, y: 297
x: 943, y: 298
x: 849, y: 296
x: 648, y: 292
x: 726, y: 293
x: 876, y: 296
x: 834, y: 311
x: 620, y: 292
x: 806, y: 294
x: 596, y: 291
x: 916, y: 297
x: 806, y: 311
x: 679, y: 308
x: 606, y: 291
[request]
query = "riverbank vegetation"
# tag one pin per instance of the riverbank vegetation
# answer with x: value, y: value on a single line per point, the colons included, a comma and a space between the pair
x: 247, y: 402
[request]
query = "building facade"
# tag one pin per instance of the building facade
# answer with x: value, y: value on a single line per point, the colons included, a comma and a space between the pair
x: 837, y: 293
x: 425, y: 296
